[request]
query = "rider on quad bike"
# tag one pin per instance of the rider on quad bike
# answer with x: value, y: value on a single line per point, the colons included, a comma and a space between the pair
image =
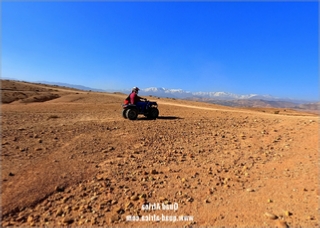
x: 135, y: 99
x: 134, y: 106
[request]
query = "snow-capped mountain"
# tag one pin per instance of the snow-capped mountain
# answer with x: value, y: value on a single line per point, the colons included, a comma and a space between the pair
x: 179, y: 93
x: 172, y: 93
x: 223, y: 95
x: 207, y: 96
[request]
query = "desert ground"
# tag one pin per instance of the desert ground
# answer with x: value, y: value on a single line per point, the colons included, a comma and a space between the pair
x: 69, y: 158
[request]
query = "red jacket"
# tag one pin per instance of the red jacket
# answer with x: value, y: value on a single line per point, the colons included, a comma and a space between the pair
x: 134, y: 98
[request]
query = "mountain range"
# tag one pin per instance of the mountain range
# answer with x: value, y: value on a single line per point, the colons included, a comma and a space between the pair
x: 222, y: 98
x: 211, y: 96
x: 231, y: 99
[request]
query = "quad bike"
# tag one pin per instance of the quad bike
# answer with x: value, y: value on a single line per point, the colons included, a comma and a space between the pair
x: 131, y: 111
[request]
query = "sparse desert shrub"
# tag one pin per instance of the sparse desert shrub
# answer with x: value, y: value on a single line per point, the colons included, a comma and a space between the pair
x: 276, y: 112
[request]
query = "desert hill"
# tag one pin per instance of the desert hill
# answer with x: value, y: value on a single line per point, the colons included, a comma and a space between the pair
x: 71, y: 159
x: 25, y: 92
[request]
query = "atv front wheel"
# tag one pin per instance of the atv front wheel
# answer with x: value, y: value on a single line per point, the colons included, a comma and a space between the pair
x: 132, y: 114
x: 153, y: 113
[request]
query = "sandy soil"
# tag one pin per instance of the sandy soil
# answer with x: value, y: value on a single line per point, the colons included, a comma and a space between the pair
x: 73, y: 160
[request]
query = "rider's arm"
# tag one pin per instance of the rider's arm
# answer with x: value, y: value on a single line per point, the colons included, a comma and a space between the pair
x: 141, y: 98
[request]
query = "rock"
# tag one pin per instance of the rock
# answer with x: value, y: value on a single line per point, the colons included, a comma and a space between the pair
x: 129, y: 205
x: 166, y: 202
x: 120, y: 210
x: 310, y: 217
x: 135, y: 198
x: 11, y: 174
x: 143, y: 196
x: 282, y: 224
x: 154, y: 171
x: 114, y: 218
x: 190, y: 199
x: 287, y: 213
x: 20, y: 218
x: 250, y: 190
x: 270, y: 216
x: 65, y: 199
x: 59, y: 188
x: 68, y: 220
x: 30, y: 219
x: 59, y: 212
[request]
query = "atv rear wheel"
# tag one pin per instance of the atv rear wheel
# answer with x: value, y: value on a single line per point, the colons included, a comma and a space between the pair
x: 124, y: 111
x: 132, y: 114
x: 153, y: 113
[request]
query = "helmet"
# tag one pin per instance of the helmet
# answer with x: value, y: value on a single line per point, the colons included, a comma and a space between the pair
x: 135, y: 89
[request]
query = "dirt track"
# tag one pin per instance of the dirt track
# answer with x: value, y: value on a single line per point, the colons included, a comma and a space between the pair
x: 75, y: 161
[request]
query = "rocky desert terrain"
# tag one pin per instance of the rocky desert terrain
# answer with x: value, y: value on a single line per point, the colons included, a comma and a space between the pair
x: 69, y: 158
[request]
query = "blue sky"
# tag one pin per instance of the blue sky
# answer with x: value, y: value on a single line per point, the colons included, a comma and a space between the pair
x: 238, y: 47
